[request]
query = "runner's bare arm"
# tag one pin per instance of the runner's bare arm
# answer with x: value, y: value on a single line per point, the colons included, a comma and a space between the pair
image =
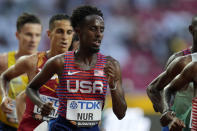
x: 185, y: 77
x: 20, y: 105
x: 155, y: 88
x: 53, y: 66
x: 113, y: 72
x: 22, y: 66
x: 173, y: 57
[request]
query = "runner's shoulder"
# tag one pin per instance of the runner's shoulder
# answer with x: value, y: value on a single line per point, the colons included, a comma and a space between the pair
x: 28, y: 60
x: 3, y: 62
x: 173, y: 57
x: 111, y: 59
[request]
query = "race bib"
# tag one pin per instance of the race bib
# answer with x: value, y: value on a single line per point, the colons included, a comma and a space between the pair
x: 85, y: 113
x: 53, y: 114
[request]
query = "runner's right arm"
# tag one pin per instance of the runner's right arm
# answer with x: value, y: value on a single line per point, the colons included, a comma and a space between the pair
x: 22, y: 66
x: 172, y: 57
x: 184, y: 78
x: 156, y: 87
x: 53, y: 66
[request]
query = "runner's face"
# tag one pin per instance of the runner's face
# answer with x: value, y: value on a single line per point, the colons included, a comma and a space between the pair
x: 91, y: 33
x: 29, y: 37
x: 61, y: 35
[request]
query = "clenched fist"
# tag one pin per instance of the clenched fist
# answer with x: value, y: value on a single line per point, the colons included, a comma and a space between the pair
x: 46, y: 109
x: 112, y: 70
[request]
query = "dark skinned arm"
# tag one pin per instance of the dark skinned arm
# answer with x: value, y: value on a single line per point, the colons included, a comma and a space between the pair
x: 52, y: 66
x: 173, y: 57
x: 156, y: 87
x: 113, y: 72
x: 185, y: 77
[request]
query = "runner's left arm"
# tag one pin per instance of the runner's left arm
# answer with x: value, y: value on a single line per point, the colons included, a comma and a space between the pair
x: 113, y: 72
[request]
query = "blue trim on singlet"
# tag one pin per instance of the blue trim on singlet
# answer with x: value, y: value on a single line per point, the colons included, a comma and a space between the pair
x: 187, y: 51
x: 165, y: 128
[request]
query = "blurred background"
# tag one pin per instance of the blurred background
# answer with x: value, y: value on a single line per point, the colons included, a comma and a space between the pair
x: 140, y: 34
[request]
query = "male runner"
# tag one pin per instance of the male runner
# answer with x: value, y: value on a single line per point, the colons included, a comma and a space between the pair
x: 60, y: 34
x: 28, y: 33
x: 21, y: 98
x: 182, y: 102
x: 83, y: 78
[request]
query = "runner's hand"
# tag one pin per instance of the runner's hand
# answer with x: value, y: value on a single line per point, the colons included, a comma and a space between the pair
x: 5, y: 105
x: 169, y: 118
x: 113, y: 74
x: 176, y: 125
x: 46, y: 109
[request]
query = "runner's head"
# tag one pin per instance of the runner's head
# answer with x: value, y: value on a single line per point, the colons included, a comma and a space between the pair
x: 88, y: 23
x: 60, y: 33
x: 28, y: 33
x: 193, y: 27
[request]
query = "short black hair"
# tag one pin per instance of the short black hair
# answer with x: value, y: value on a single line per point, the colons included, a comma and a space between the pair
x: 57, y: 17
x: 81, y: 12
x: 26, y: 18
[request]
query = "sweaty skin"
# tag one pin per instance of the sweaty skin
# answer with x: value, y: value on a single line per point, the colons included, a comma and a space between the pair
x: 90, y: 34
x: 185, y: 77
x: 156, y: 87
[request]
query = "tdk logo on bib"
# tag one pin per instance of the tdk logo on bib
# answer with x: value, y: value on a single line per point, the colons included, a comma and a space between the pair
x: 73, y: 105
x: 85, y: 105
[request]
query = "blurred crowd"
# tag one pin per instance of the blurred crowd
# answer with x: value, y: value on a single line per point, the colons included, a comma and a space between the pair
x: 140, y: 34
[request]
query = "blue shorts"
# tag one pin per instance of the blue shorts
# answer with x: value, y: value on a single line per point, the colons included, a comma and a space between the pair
x: 165, y: 128
x: 61, y: 124
x: 4, y: 127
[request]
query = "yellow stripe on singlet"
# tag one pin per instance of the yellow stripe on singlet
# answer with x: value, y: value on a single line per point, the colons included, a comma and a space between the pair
x: 11, y: 59
x: 49, y: 88
x: 17, y: 84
